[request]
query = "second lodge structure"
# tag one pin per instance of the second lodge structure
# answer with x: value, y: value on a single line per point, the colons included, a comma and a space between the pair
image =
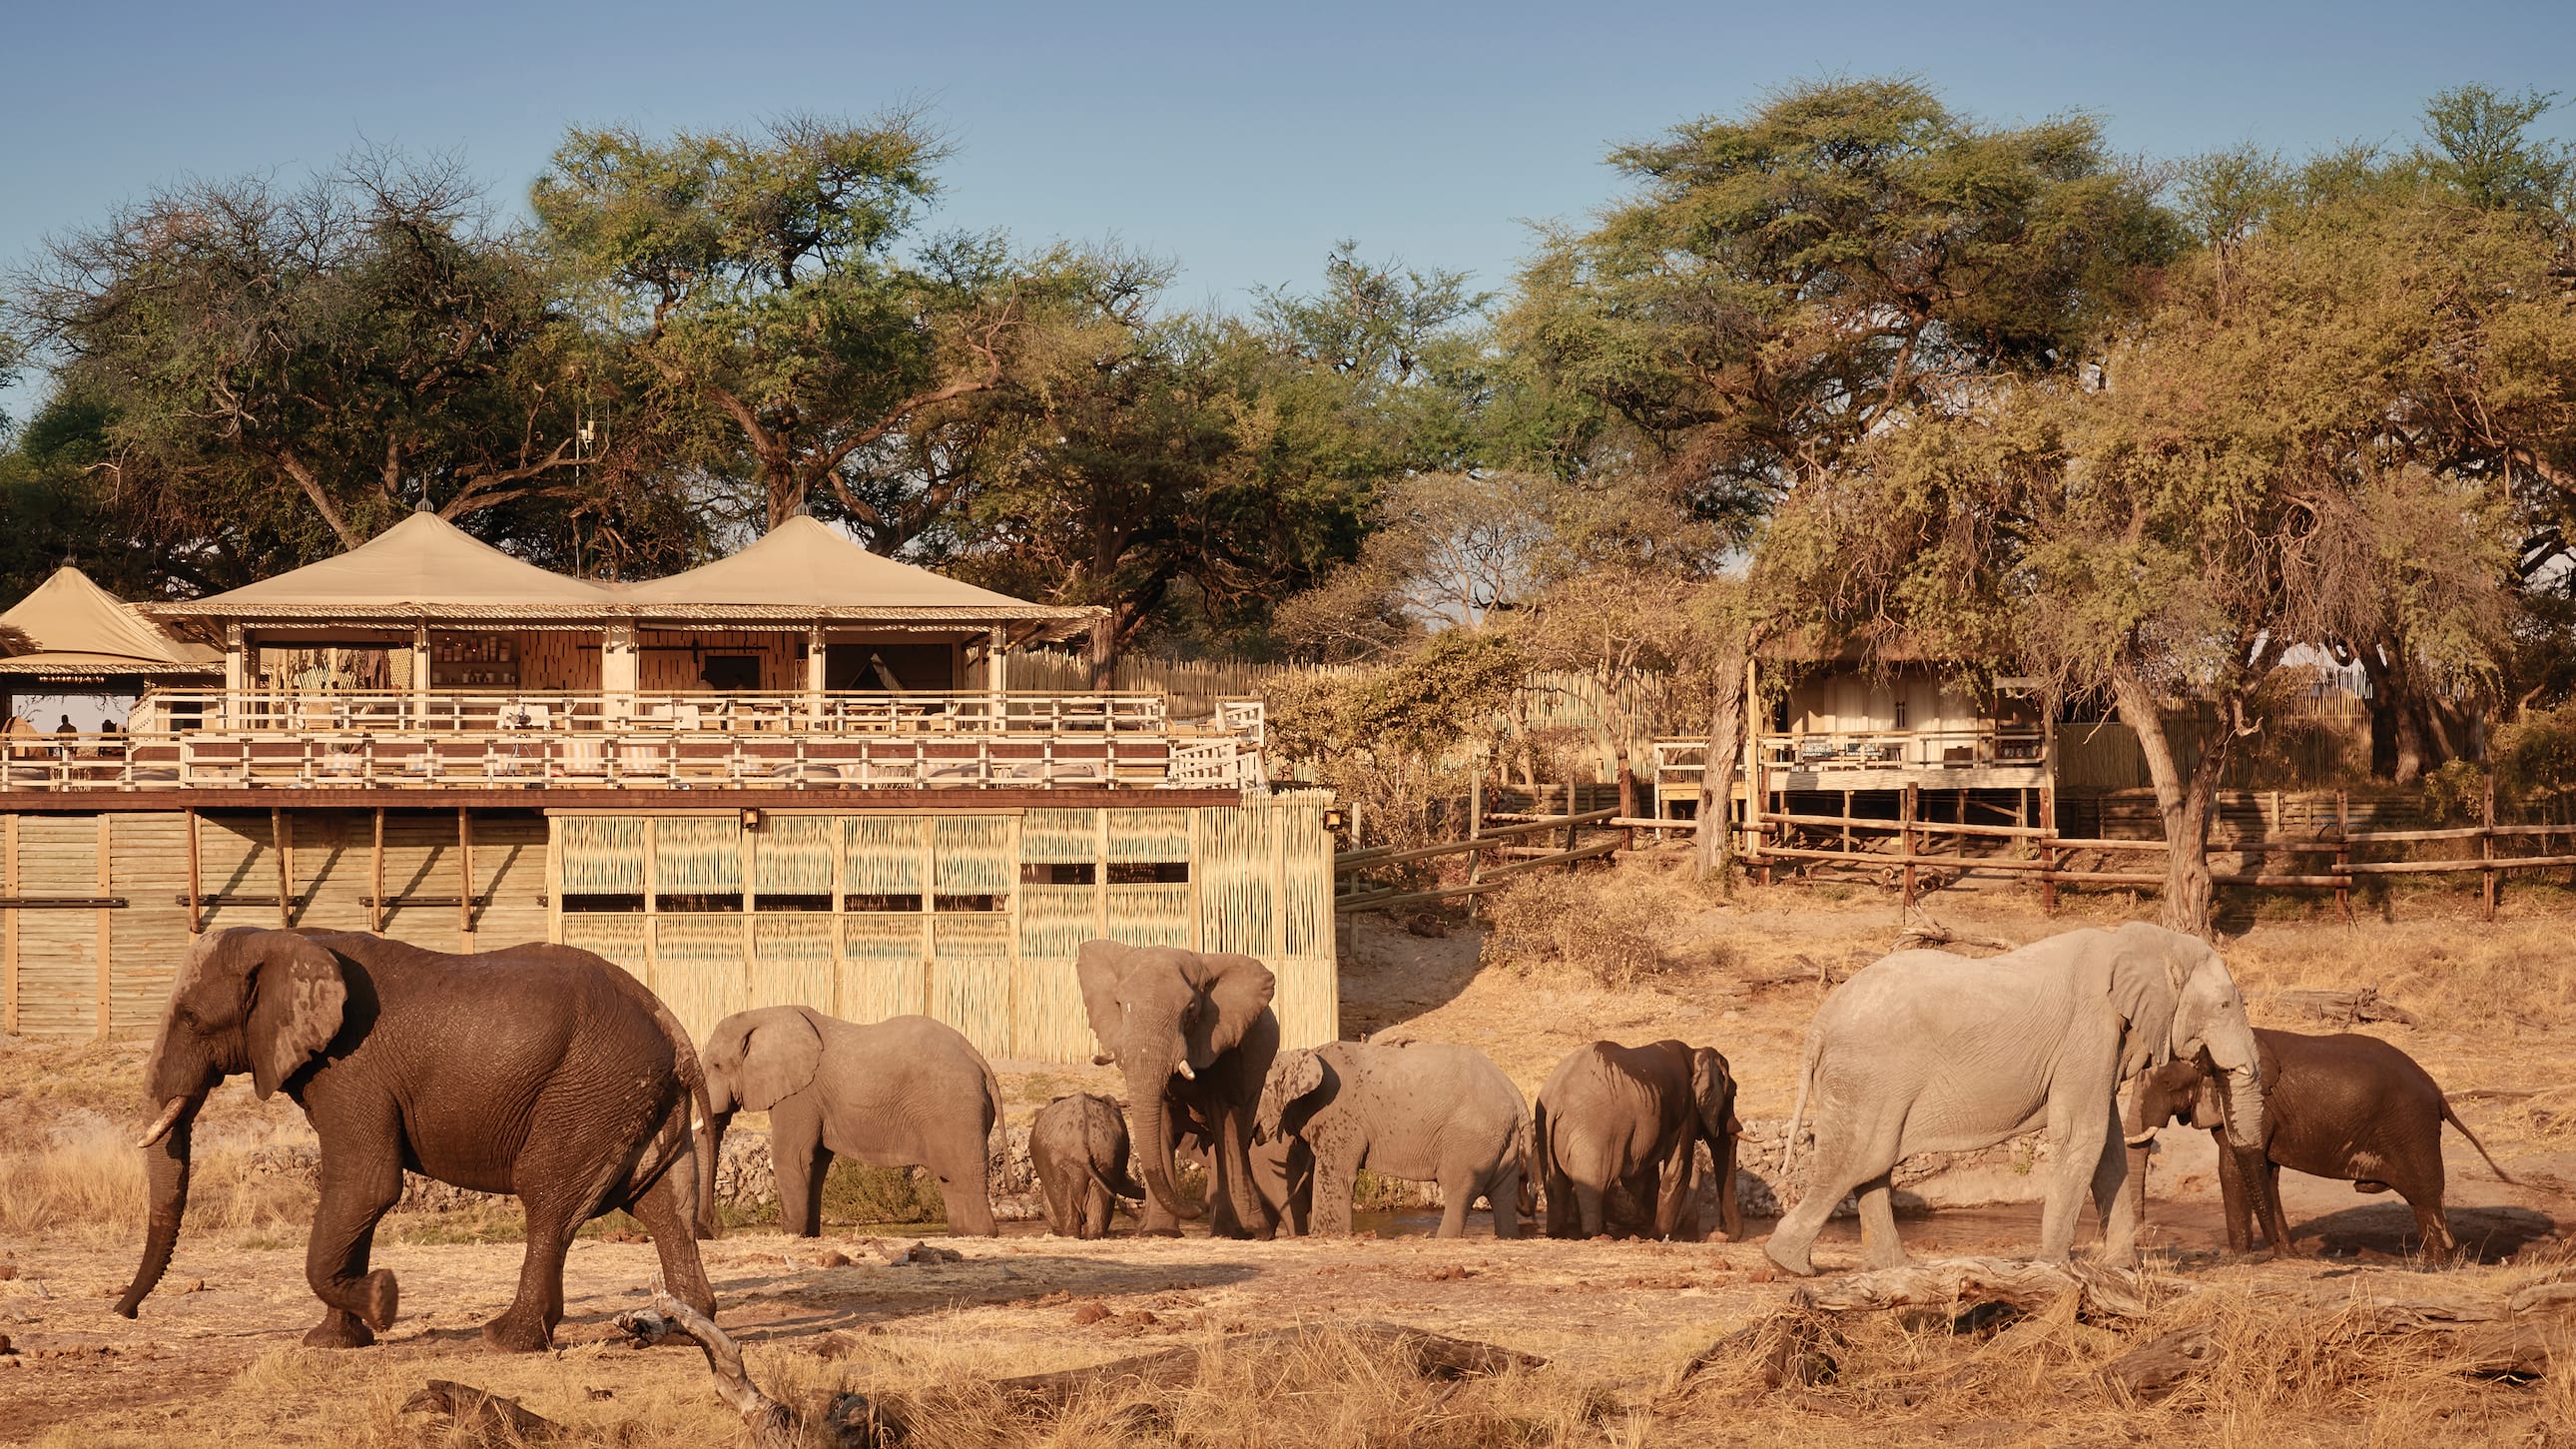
x: 795, y: 775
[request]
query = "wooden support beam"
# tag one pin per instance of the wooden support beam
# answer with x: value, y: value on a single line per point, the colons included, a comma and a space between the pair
x: 1912, y: 806
x: 2486, y: 852
x: 2343, y: 854
x: 376, y: 876
x: 196, y: 882
x: 465, y: 879
x: 277, y: 846
x: 9, y: 926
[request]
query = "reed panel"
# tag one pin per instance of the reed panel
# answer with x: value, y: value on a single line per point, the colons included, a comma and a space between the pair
x: 974, y: 995
x: 1047, y: 1020
x: 973, y: 855
x: 792, y: 855
x: 698, y: 969
x: 1307, y: 1000
x: 619, y: 938
x: 697, y: 855
x: 1150, y: 915
x: 872, y: 990
x: 886, y: 855
x: 1305, y: 887
x: 603, y: 854
x: 1237, y: 906
x: 148, y: 866
x: 1056, y: 920
x: 791, y: 962
x: 1149, y: 835
x: 1060, y: 837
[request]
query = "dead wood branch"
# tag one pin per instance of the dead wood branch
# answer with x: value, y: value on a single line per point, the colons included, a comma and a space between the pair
x: 848, y: 1420
x: 2341, y: 1008
x: 1951, y: 1283
x: 2156, y: 1369
x: 1923, y: 931
x: 482, y: 1414
x: 1427, y: 1355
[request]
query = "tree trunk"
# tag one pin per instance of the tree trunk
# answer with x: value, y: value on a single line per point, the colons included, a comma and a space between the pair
x: 1104, y: 647
x: 2184, y: 803
x: 1726, y: 724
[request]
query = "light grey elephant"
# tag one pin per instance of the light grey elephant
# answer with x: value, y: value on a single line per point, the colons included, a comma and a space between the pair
x: 1194, y: 1033
x: 1422, y: 1111
x: 904, y: 1092
x: 1924, y: 1051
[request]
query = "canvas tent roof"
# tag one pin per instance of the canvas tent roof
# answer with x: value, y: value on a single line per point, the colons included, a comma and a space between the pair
x: 808, y: 570
x: 421, y: 566
x: 70, y: 627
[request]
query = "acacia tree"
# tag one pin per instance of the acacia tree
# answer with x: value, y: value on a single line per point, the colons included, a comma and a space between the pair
x: 372, y: 339
x: 1788, y: 283
x: 757, y: 280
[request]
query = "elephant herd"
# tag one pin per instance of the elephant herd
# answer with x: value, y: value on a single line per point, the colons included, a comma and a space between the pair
x: 548, y: 1073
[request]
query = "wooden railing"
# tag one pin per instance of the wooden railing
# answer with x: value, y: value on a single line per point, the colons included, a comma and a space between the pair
x: 458, y: 741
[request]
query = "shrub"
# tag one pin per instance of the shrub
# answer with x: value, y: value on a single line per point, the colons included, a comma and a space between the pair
x: 1615, y: 928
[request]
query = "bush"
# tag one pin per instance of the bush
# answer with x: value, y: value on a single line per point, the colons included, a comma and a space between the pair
x: 1615, y: 928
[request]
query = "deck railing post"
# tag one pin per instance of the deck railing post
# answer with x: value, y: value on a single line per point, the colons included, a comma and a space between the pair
x: 1905, y: 826
x: 2486, y: 852
x: 2343, y: 855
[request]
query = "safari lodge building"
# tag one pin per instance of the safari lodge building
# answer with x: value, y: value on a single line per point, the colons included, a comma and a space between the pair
x: 799, y: 774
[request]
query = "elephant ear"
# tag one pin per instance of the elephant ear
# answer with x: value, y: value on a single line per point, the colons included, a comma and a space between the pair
x: 2142, y: 974
x: 1712, y: 1092
x: 779, y: 1059
x: 1101, y: 965
x: 1238, y: 990
x: 1292, y: 1075
x: 297, y: 997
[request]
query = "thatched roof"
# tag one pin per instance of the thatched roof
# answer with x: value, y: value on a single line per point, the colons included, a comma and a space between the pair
x: 71, y: 629
x: 805, y: 570
x: 423, y: 566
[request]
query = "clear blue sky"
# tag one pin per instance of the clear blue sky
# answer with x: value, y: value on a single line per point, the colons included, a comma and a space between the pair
x: 1240, y: 141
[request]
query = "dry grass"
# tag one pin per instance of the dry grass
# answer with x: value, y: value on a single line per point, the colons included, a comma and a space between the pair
x: 1614, y: 928
x: 88, y: 1187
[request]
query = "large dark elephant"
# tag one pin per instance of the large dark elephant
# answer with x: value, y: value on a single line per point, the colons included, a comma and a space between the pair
x: 1616, y: 1120
x: 2346, y: 1106
x: 540, y: 1071
x: 904, y: 1092
x: 1194, y: 1033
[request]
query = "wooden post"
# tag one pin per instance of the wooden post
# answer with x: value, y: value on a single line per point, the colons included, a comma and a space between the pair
x: 277, y: 829
x: 106, y: 922
x: 554, y: 895
x: 2048, y: 849
x: 1905, y: 826
x: 196, y: 886
x: 1847, y: 820
x: 9, y: 933
x: 465, y: 878
x: 2486, y: 852
x: 2343, y: 855
x: 376, y: 870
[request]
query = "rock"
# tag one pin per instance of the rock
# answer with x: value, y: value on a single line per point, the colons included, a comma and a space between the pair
x: 831, y: 1258
x: 6, y: 1349
x: 921, y: 1254
x: 1090, y: 1311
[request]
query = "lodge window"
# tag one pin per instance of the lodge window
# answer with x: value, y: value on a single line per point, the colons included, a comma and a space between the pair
x: 793, y: 902
x: 985, y: 902
x: 880, y: 902
x: 1900, y: 714
x: 1081, y: 874
x: 592, y: 902
x: 696, y: 903
x: 1150, y: 872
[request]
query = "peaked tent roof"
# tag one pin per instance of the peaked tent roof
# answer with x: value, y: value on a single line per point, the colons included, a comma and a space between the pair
x: 421, y: 565
x: 71, y: 626
x: 805, y: 569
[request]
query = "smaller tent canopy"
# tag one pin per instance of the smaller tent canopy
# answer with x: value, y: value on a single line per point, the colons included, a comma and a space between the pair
x: 803, y: 569
x: 71, y: 629
x: 421, y: 567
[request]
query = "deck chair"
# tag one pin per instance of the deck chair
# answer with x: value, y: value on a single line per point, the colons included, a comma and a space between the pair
x: 576, y: 759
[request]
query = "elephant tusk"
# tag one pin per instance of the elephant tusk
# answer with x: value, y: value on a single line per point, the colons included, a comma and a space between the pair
x: 2142, y: 1139
x: 162, y: 1124
x: 1186, y: 1074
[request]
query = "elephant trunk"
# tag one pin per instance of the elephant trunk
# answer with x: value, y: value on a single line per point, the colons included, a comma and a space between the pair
x: 1147, y: 1082
x: 1730, y: 1209
x: 2233, y: 1053
x: 165, y: 1163
x: 2139, y: 1135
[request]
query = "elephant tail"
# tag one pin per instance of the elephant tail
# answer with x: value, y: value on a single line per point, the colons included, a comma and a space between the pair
x: 1815, y: 1049
x: 1525, y: 1153
x: 699, y: 1106
x: 2454, y: 1119
x: 997, y: 1137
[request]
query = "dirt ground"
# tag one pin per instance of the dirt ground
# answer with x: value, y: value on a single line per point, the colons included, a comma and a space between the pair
x: 214, y: 1356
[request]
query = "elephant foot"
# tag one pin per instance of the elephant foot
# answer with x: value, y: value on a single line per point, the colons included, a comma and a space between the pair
x: 1798, y: 1264
x: 513, y: 1333
x: 339, y: 1330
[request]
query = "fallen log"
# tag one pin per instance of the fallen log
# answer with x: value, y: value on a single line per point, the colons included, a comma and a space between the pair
x: 2154, y: 1370
x: 1425, y: 1354
x: 484, y: 1416
x: 1925, y: 932
x: 2101, y: 1294
x: 2342, y: 1008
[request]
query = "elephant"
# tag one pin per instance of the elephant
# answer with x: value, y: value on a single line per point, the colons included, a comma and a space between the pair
x: 1078, y: 1152
x: 1925, y: 1051
x: 1194, y: 1034
x: 540, y: 1071
x: 1423, y: 1111
x: 2348, y: 1106
x: 1613, y: 1118
x: 904, y: 1092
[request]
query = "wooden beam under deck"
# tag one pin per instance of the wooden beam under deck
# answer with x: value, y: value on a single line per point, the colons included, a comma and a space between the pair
x: 840, y: 801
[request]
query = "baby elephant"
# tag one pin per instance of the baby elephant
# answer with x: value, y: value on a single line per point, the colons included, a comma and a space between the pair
x: 1078, y: 1149
x: 2349, y: 1107
x: 1629, y: 1120
x: 904, y: 1092
x: 1422, y: 1111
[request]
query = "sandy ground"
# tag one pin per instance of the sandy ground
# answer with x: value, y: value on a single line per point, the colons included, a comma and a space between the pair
x: 220, y: 1336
